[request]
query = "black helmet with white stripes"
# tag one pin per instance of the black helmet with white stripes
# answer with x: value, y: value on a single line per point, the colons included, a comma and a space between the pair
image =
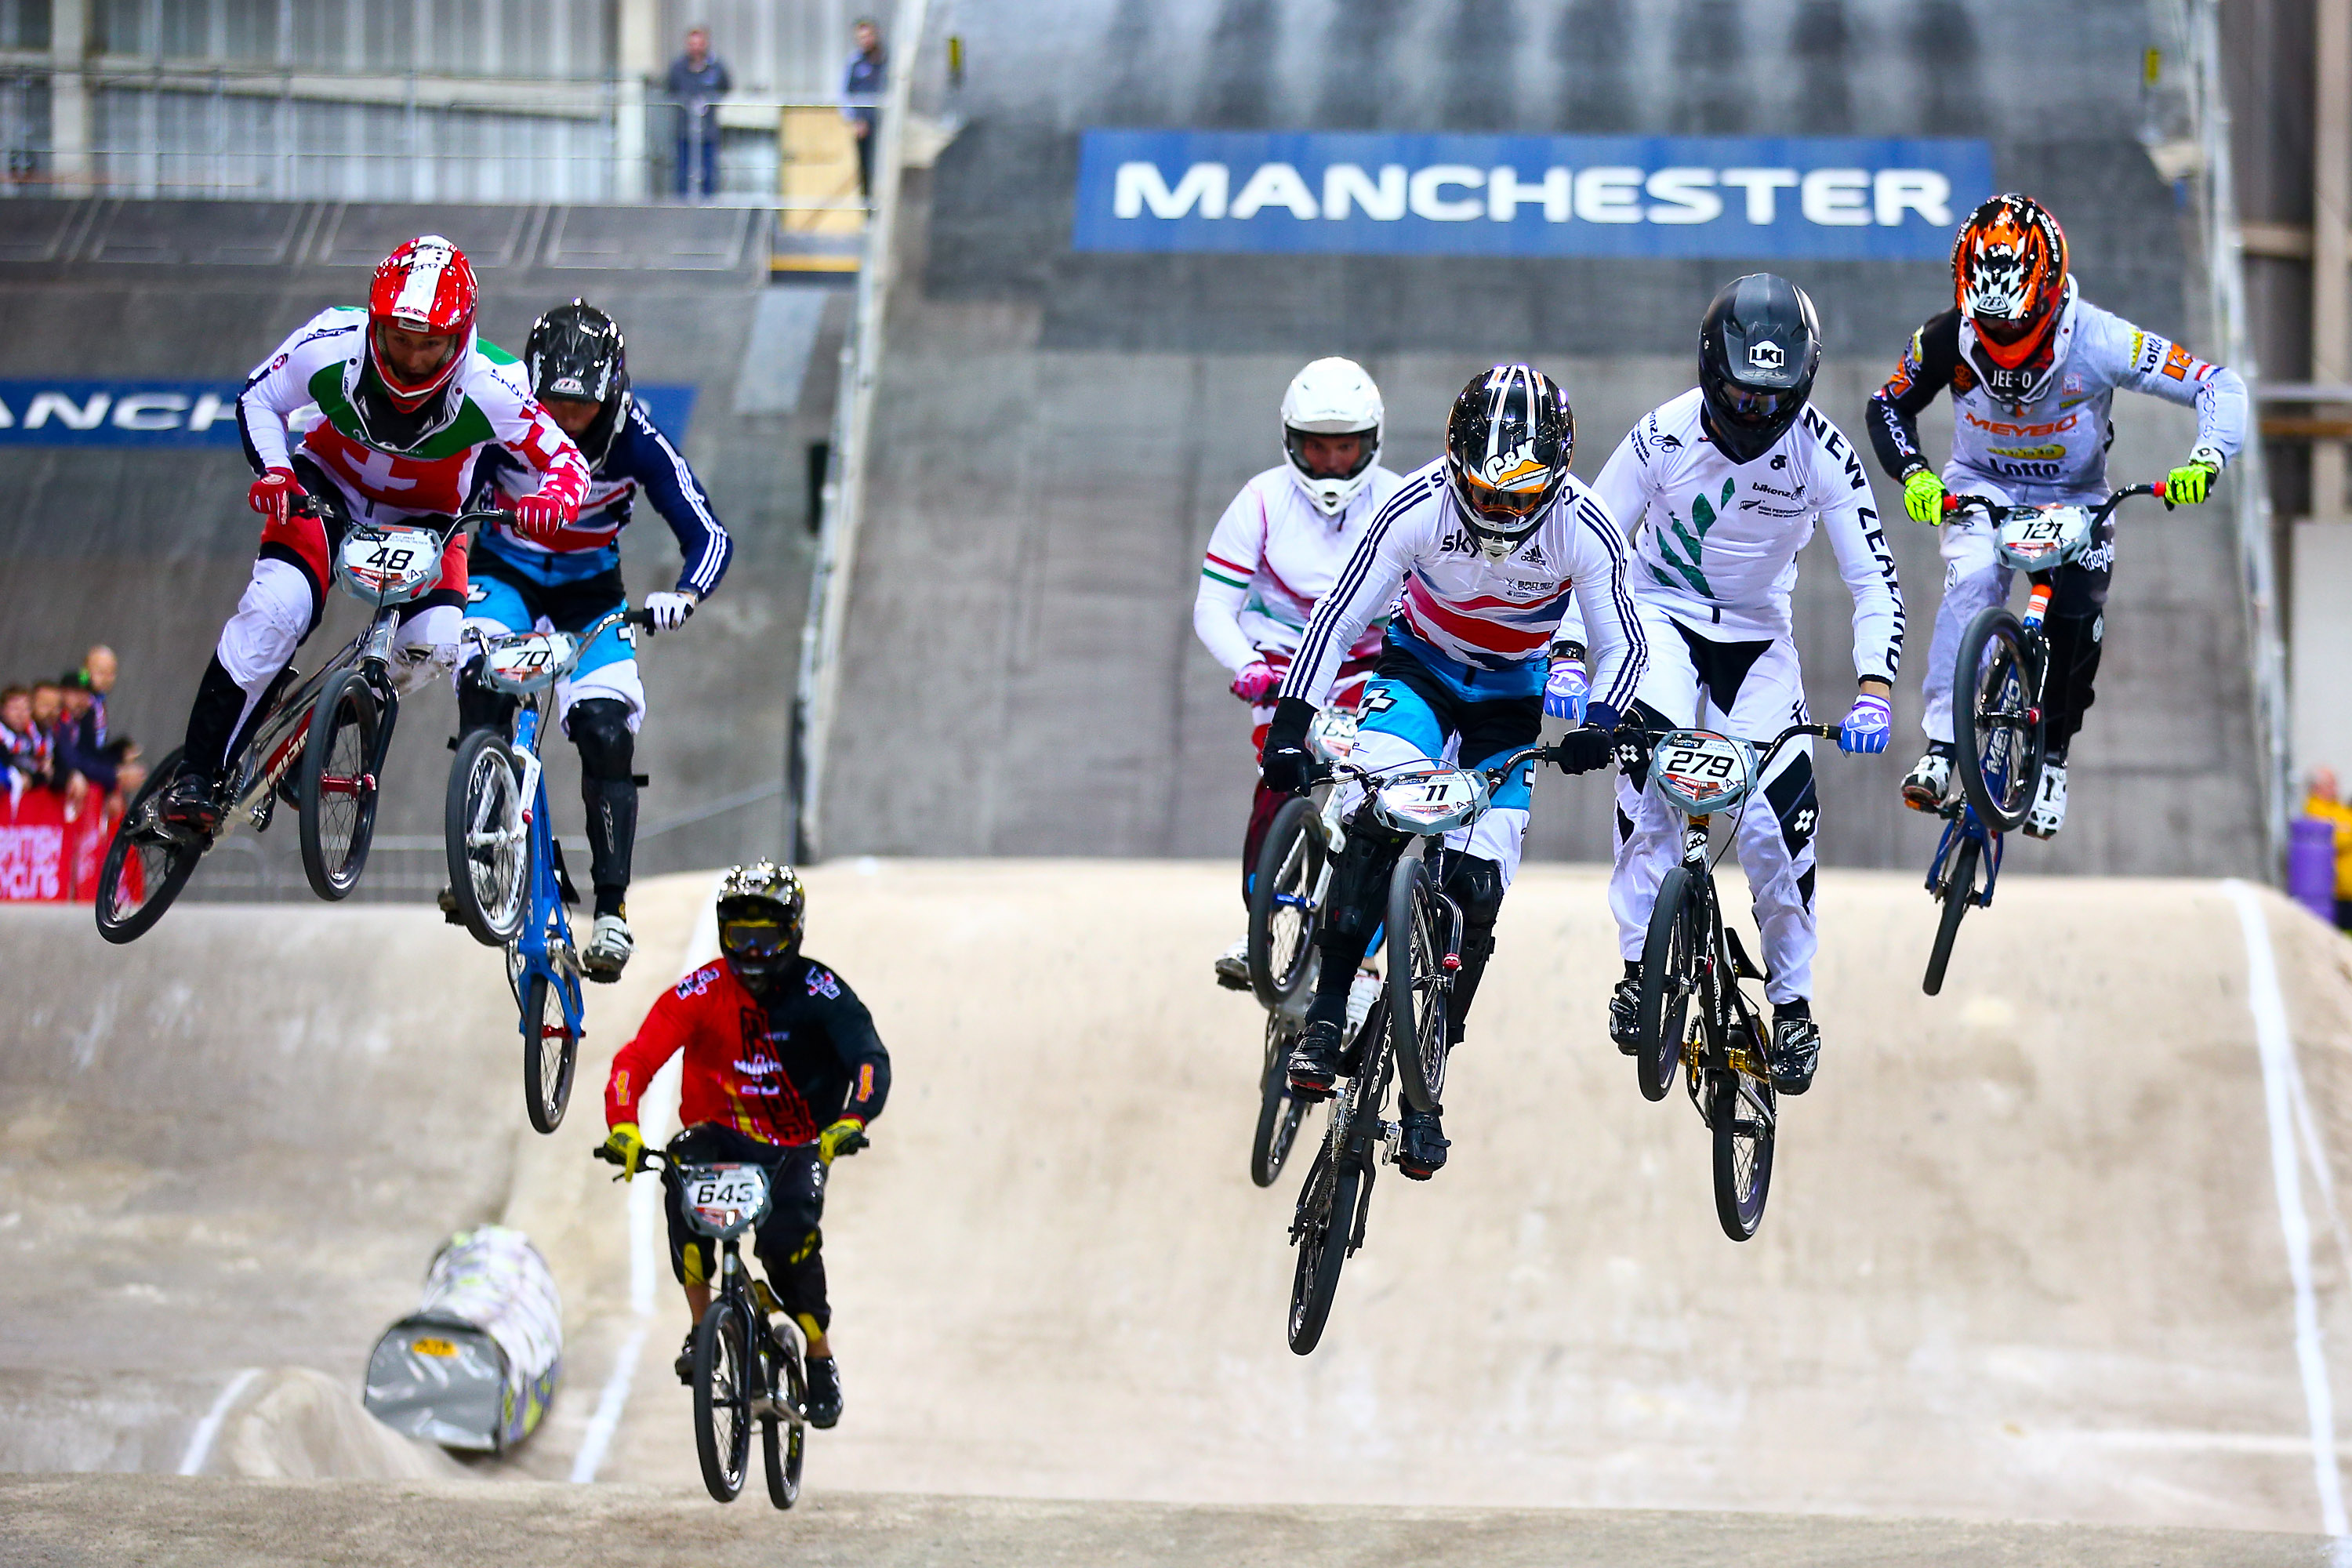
x: 1508, y: 446
x: 1758, y: 348
x: 575, y: 352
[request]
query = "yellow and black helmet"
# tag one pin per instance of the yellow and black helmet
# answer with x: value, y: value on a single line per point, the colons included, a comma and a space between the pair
x: 763, y: 910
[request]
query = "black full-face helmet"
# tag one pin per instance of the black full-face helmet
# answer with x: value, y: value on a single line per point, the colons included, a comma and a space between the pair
x: 1758, y: 349
x: 762, y: 910
x: 575, y: 352
x: 1508, y: 442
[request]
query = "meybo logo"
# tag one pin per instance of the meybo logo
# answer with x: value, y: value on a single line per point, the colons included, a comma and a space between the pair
x: 1766, y: 356
x: 1458, y: 192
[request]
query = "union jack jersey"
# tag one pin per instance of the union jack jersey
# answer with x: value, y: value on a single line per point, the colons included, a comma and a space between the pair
x: 1488, y: 613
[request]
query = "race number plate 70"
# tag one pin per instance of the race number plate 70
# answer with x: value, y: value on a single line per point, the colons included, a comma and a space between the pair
x: 527, y: 661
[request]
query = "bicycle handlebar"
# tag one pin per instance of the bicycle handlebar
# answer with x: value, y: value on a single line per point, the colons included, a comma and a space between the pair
x: 1369, y: 777
x: 1956, y: 504
x: 1764, y: 753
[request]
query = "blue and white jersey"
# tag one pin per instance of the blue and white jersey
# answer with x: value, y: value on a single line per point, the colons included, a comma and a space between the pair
x: 640, y: 457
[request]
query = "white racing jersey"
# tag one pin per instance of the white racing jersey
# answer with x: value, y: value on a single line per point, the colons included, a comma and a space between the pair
x: 1273, y: 557
x: 1715, y: 542
x: 2048, y: 439
x: 312, y: 380
x: 1485, y: 614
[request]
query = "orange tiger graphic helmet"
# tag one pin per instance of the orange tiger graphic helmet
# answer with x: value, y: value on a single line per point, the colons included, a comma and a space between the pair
x: 2009, y: 276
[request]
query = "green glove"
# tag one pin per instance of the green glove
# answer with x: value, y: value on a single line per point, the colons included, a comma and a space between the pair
x: 2187, y: 485
x: 847, y: 1136
x: 1923, y: 497
x: 628, y: 1147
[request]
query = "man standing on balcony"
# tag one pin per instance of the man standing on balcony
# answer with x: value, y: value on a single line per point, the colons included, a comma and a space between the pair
x: 698, y: 80
x: 869, y: 76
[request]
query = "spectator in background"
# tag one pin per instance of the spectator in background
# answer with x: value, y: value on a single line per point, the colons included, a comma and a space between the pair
x: 80, y: 746
x: 698, y: 80
x: 2324, y: 804
x: 23, y: 752
x: 868, y: 75
x: 49, y: 707
x: 98, y: 668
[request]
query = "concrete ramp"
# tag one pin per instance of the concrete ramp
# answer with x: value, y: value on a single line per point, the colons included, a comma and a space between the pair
x: 2026, y: 1257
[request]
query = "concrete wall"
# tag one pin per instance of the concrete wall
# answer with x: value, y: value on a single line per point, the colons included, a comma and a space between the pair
x: 147, y: 549
x: 1057, y: 433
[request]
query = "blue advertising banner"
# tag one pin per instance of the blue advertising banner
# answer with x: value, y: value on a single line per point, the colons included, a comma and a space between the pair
x: 186, y: 413
x: 1368, y: 192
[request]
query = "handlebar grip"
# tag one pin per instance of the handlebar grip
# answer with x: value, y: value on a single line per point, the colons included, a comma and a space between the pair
x: 641, y: 619
x: 606, y: 1155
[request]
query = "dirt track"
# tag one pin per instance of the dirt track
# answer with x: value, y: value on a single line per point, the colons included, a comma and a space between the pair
x: 2024, y: 1258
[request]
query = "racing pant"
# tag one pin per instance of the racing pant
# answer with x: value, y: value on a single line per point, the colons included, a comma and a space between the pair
x: 1347, y: 691
x: 1975, y: 581
x: 1753, y: 690
x: 1421, y: 706
x: 600, y: 705
x: 282, y: 605
x: 789, y: 1243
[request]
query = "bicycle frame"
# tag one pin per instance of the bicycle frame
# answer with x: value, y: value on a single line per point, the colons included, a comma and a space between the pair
x: 1961, y: 823
x: 543, y: 946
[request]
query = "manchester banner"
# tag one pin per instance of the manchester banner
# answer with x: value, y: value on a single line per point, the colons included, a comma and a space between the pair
x: 1362, y: 193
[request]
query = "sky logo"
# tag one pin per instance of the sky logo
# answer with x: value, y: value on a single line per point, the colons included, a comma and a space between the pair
x: 1371, y: 194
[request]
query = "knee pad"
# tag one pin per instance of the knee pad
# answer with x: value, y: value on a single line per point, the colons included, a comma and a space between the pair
x: 600, y: 728
x: 271, y: 620
x: 1476, y: 884
x: 479, y: 706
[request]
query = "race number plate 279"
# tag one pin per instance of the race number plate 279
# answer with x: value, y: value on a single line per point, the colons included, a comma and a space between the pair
x: 1700, y: 771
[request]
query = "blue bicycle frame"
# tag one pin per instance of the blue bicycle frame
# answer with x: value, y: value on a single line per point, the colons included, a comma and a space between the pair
x: 543, y: 946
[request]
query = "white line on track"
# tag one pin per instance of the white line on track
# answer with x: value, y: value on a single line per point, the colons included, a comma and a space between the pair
x: 201, y: 1440
x: 2282, y: 1081
x: 657, y: 1109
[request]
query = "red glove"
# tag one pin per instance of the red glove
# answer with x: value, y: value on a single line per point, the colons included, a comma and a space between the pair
x: 1256, y: 683
x: 273, y: 493
x: 555, y: 505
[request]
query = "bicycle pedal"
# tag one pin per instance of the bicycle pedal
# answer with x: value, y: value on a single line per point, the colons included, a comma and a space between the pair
x: 1392, y: 1142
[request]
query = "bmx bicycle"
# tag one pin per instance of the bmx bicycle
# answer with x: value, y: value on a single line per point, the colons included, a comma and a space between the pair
x: 1403, y: 1038
x: 1688, y: 952
x: 2000, y: 675
x: 319, y: 746
x: 506, y: 869
x: 1286, y: 909
x: 747, y: 1354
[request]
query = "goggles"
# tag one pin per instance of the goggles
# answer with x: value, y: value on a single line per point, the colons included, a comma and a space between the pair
x: 1497, y: 505
x: 1747, y: 407
x: 753, y: 939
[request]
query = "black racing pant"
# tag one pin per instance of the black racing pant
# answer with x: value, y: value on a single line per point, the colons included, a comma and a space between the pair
x: 789, y: 1243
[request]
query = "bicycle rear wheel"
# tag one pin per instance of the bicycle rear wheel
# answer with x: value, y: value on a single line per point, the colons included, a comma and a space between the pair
x: 338, y: 791
x: 722, y: 1398
x: 1667, y: 955
x: 1742, y: 1113
x: 488, y: 848
x: 145, y: 867
x: 783, y: 1440
x: 1959, y: 893
x: 551, y: 1051
x: 1282, y: 915
x: 1279, y: 1112
x: 1322, y: 1228
x: 1996, y: 729
x: 1418, y: 930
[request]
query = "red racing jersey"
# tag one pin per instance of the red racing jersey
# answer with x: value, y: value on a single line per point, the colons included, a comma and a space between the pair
x: 778, y: 1067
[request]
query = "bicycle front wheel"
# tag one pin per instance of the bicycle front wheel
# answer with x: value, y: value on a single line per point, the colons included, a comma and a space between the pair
x: 1418, y: 982
x: 722, y: 1398
x: 1282, y: 913
x: 487, y: 847
x: 1279, y: 1112
x: 1667, y: 955
x: 338, y: 792
x: 550, y: 1050
x: 1996, y: 730
x: 1321, y: 1230
x: 1959, y: 893
x: 1743, y: 1113
x: 145, y: 867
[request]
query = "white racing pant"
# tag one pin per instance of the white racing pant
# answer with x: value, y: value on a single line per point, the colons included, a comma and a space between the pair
x: 275, y: 614
x: 1974, y: 580
x: 1753, y: 690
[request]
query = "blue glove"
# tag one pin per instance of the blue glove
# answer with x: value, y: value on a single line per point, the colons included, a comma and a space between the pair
x: 1565, y: 693
x: 1866, y: 728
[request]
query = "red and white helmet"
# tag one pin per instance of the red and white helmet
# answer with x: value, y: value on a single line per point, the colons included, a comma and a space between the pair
x: 426, y: 286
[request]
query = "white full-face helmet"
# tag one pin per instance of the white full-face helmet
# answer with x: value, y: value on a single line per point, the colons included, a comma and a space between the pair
x: 1332, y: 397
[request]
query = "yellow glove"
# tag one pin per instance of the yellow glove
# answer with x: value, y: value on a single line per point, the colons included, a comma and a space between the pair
x: 847, y: 1136
x: 627, y: 1147
x: 1923, y: 497
x: 2187, y: 485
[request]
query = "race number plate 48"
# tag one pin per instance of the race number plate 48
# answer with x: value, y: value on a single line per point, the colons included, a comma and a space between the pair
x: 1702, y: 772
x: 393, y: 564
